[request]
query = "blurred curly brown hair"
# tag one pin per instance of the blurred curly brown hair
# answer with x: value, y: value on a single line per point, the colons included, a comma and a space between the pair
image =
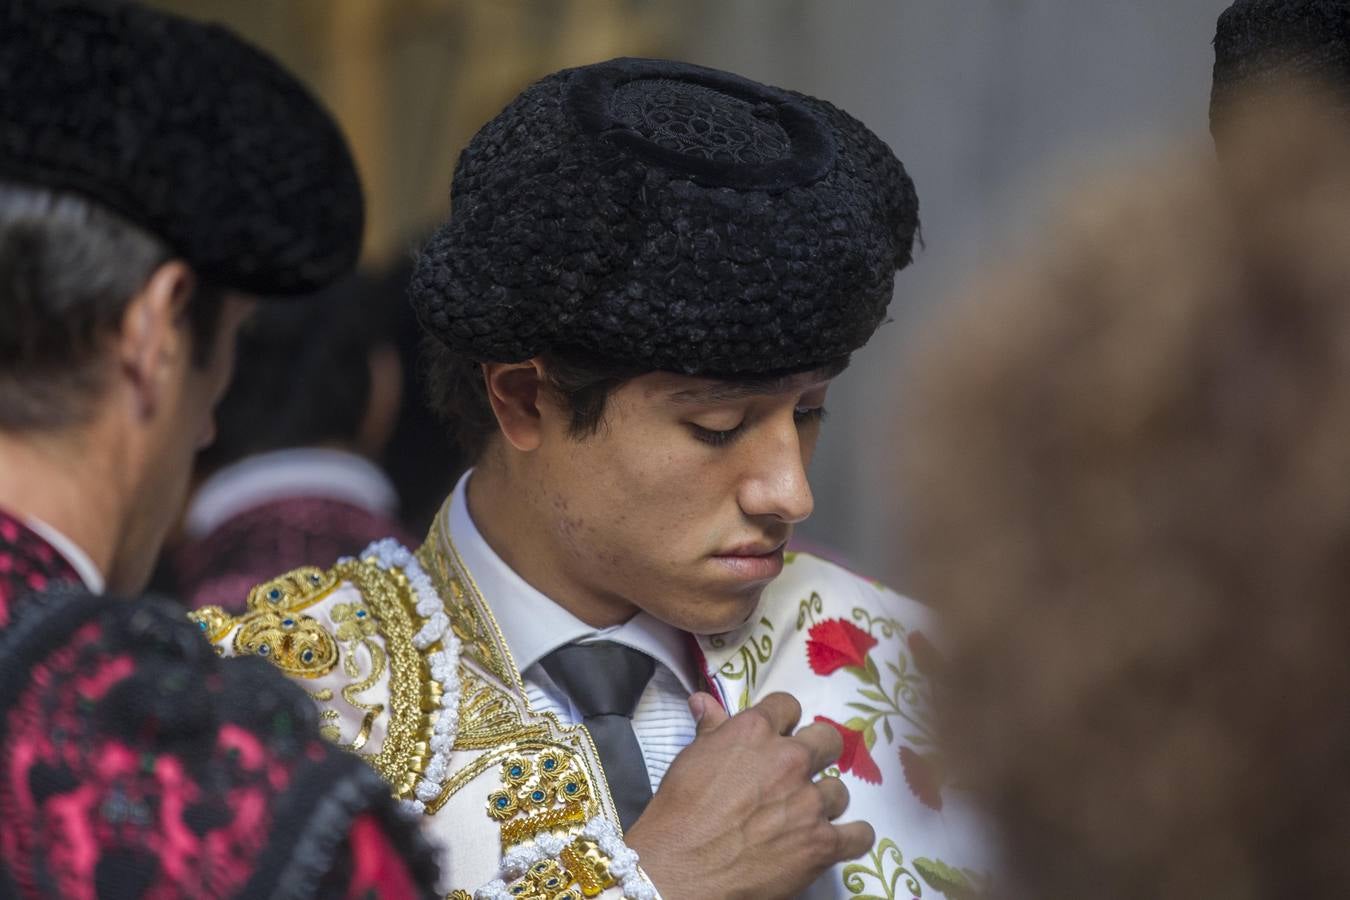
x: 1128, y: 470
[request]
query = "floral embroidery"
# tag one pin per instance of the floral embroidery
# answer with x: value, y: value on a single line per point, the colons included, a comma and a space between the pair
x: 923, y: 777
x: 856, y: 758
x: 883, y: 872
x: 885, y: 865
x: 898, y: 696
x: 951, y: 882
x: 745, y: 665
x: 926, y: 657
x: 836, y: 644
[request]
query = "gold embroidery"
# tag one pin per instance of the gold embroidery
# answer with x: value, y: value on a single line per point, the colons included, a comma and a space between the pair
x: 494, y: 717
x: 546, y: 793
x: 564, y: 818
x: 413, y: 693
x: 487, y: 717
x: 471, y: 620
x: 494, y: 714
x: 580, y: 870
x: 546, y: 880
x: 329, y: 729
x: 459, y: 895
x: 588, y: 864
x: 294, y: 643
x: 355, y: 628
x: 296, y: 590
x: 301, y: 645
x: 214, y: 622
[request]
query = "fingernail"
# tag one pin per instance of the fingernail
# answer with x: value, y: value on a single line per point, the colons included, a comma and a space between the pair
x: 696, y: 707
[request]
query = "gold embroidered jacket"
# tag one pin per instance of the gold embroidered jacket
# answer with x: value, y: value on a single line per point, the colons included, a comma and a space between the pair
x: 405, y: 660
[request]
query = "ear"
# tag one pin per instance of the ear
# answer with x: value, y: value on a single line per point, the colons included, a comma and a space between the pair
x: 153, y: 345
x: 515, y: 391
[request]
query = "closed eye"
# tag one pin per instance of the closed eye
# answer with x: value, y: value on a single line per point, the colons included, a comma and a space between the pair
x: 809, y: 414
x: 716, y: 438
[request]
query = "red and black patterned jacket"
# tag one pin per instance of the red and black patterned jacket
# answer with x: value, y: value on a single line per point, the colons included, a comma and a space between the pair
x: 27, y: 563
x: 136, y: 763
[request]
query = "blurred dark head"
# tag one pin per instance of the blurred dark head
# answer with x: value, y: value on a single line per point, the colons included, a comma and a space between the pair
x: 1128, y: 493
x: 1260, y: 43
x: 321, y: 370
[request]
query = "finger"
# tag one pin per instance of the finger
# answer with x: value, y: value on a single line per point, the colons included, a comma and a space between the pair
x: 854, y: 839
x: 782, y: 710
x: 708, y: 713
x: 835, y: 797
x: 823, y: 742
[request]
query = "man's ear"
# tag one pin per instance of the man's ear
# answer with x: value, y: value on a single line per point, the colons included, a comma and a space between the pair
x: 515, y: 391
x: 153, y: 345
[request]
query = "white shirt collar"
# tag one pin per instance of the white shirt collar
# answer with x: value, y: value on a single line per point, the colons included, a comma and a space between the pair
x: 534, y: 625
x: 297, y: 472
x: 71, y: 551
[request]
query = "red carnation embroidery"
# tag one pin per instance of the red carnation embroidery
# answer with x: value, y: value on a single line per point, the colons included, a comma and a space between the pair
x: 856, y: 758
x: 834, y: 643
x: 927, y: 659
x: 922, y: 777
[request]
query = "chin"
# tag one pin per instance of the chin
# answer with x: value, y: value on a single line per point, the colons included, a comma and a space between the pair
x: 721, y: 615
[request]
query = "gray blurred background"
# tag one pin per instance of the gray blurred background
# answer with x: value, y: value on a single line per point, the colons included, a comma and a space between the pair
x: 988, y: 102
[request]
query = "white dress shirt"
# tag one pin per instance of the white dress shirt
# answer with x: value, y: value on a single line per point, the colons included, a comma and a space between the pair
x: 72, y: 552
x: 534, y: 626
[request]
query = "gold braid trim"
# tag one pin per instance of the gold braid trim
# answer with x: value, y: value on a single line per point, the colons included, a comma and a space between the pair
x: 471, y: 620
x: 413, y: 693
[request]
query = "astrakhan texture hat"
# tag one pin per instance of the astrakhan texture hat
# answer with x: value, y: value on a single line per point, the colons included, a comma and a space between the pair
x: 1260, y: 41
x: 185, y: 130
x: 671, y: 217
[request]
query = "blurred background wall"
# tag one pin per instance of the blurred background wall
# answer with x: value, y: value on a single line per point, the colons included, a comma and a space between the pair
x: 988, y: 102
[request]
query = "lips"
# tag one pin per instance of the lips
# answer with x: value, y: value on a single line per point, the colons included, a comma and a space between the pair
x: 753, y: 562
x: 757, y: 549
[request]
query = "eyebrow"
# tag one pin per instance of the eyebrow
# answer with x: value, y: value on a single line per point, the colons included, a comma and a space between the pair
x: 729, y: 390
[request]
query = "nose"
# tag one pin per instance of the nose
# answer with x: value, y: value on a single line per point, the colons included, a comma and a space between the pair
x: 775, y: 484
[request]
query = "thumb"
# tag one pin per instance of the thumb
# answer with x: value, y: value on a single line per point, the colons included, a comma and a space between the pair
x: 708, y: 713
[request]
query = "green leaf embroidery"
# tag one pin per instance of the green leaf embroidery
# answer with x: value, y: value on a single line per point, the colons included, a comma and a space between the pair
x: 951, y: 882
x: 866, y: 675
x: 856, y: 876
x: 745, y: 665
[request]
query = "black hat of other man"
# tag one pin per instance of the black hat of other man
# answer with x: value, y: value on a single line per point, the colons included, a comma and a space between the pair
x: 184, y: 130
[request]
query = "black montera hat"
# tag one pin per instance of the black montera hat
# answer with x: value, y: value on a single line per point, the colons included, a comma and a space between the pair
x: 1260, y: 41
x: 668, y: 216
x: 185, y: 130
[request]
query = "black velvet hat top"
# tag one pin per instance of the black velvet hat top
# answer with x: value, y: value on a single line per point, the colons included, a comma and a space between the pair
x: 185, y: 130
x: 1258, y: 41
x: 672, y: 217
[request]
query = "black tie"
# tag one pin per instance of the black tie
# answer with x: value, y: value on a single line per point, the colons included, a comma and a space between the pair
x: 605, y: 681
